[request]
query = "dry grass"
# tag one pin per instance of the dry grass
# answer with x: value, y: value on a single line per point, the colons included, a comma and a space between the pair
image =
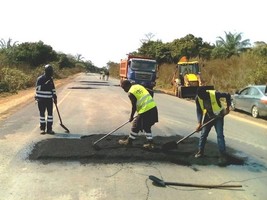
x: 226, y: 75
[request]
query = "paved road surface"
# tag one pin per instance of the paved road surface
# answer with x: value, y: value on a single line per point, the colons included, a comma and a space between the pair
x: 92, y: 106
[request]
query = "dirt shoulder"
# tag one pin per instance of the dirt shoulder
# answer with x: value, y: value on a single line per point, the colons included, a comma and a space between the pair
x: 10, y: 103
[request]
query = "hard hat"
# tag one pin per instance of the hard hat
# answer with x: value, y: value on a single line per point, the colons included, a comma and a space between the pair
x: 48, y: 70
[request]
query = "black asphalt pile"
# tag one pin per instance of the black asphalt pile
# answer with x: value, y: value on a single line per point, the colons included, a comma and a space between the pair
x: 83, y: 150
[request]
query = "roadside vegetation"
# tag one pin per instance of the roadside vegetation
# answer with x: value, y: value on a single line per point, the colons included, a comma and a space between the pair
x: 230, y: 64
x: 21, y: 64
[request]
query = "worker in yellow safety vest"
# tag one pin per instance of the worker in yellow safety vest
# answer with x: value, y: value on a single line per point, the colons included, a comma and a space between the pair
x: 147, y: 113
x: 208, y: 102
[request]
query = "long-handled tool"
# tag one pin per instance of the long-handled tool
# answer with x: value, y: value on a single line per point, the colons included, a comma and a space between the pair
x: 162, y: 183
x: 173, y: 145
x: 61, y: 124
x: 96, y: 147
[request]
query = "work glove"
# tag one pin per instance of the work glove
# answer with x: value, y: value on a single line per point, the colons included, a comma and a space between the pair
x: 224, y: 112
x: 227, y: 111
x: 55, y: 100
x: 199, y: 127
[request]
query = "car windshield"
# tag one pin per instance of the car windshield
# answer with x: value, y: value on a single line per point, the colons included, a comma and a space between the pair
x: 144, y: 65
x: 263, y: 88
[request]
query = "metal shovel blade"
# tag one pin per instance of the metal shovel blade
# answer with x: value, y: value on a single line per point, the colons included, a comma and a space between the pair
x: 157, y: 181
x: 61, y: 124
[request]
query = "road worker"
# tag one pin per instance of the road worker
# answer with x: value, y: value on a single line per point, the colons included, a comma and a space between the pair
x: 208, y: 102
x: 45, y: 95
x: 147, y: 113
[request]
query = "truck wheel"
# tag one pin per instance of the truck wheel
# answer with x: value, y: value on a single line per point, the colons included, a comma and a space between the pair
x: 176, y: 91
x: 179, y: 93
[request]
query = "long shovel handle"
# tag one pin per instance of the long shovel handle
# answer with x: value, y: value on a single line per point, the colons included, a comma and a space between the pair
x: 58, y: 114
x: 162, y: 183
x: 111, y: 132
x: 203, y: 125
x: 202, y: 185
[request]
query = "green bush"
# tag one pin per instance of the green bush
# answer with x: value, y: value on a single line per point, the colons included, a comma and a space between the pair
x: 12, y: 80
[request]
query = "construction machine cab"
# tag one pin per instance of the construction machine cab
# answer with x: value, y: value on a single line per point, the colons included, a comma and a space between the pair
x: 187, y: 79
x: 189, y: 73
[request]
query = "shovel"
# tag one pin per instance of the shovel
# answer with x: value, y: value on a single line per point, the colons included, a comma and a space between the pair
x: 173, y: 145
x: 161, y: 183
x: 96, y: 147
x: 61, y: 124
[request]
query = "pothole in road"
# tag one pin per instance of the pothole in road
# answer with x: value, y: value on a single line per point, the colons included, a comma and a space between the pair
x: 98, y: 83
x: 79, y: 87
x: 83, y: 150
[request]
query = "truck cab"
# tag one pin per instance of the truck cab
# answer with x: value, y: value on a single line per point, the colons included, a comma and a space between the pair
x: 139, y: 70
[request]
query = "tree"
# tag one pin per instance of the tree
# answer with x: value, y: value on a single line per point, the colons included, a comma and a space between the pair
x: 191, y: 47
x: 8, y: 44
x: 148, y: 38
x: 260, y: 48
x: 231, y: 45
x: 7, y: 49
x: 79, y: 57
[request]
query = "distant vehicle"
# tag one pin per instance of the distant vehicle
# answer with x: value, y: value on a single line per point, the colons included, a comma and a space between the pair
x: 251, y: 99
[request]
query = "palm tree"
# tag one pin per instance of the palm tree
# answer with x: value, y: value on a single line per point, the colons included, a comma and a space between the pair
x: 79, y: 57
x: 8, y: 44
x: 231, y: 45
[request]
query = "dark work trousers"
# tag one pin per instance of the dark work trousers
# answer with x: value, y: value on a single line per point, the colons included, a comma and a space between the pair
x: 46, y: 105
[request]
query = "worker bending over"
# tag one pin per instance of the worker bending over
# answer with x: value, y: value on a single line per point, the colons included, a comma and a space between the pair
x: 147, y: 113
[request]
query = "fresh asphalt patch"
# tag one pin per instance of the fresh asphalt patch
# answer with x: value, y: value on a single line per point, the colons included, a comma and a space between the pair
x: 109, y: 151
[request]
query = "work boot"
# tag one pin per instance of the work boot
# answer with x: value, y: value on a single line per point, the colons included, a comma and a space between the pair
x: 199, y: 154
x: 51, y: 132
x: 126, y: 142
x: 149, y: 145
x: 42, y: 130
x: 222, y: 159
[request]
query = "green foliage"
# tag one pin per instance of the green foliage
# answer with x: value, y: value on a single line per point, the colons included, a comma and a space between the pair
x: 34, y: 54
x: 114, y: 69
x: 21, y: 64
x: 260, y: 49
x: 230, y: 46
x: 189, y: 46
x: 12, y: 80
x: 65, y: 61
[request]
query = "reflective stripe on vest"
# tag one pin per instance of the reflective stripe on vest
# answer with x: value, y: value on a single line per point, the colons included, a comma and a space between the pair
x: 144, y: 100
x: 216, y: 109
x: 44, y: 94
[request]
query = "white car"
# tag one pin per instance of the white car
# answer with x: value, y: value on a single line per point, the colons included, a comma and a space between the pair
x: 251, y: 99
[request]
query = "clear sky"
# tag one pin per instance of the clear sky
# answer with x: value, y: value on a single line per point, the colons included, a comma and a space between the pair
x: 106, y: 30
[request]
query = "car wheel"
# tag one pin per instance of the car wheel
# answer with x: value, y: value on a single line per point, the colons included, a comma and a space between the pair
x: 255, y: 111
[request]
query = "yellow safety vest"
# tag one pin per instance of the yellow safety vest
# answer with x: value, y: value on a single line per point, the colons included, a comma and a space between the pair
x: 144, y: 100
x: 216, y: 108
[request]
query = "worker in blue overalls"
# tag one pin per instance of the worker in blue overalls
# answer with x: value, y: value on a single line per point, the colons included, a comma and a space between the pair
x: 45, y: 96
